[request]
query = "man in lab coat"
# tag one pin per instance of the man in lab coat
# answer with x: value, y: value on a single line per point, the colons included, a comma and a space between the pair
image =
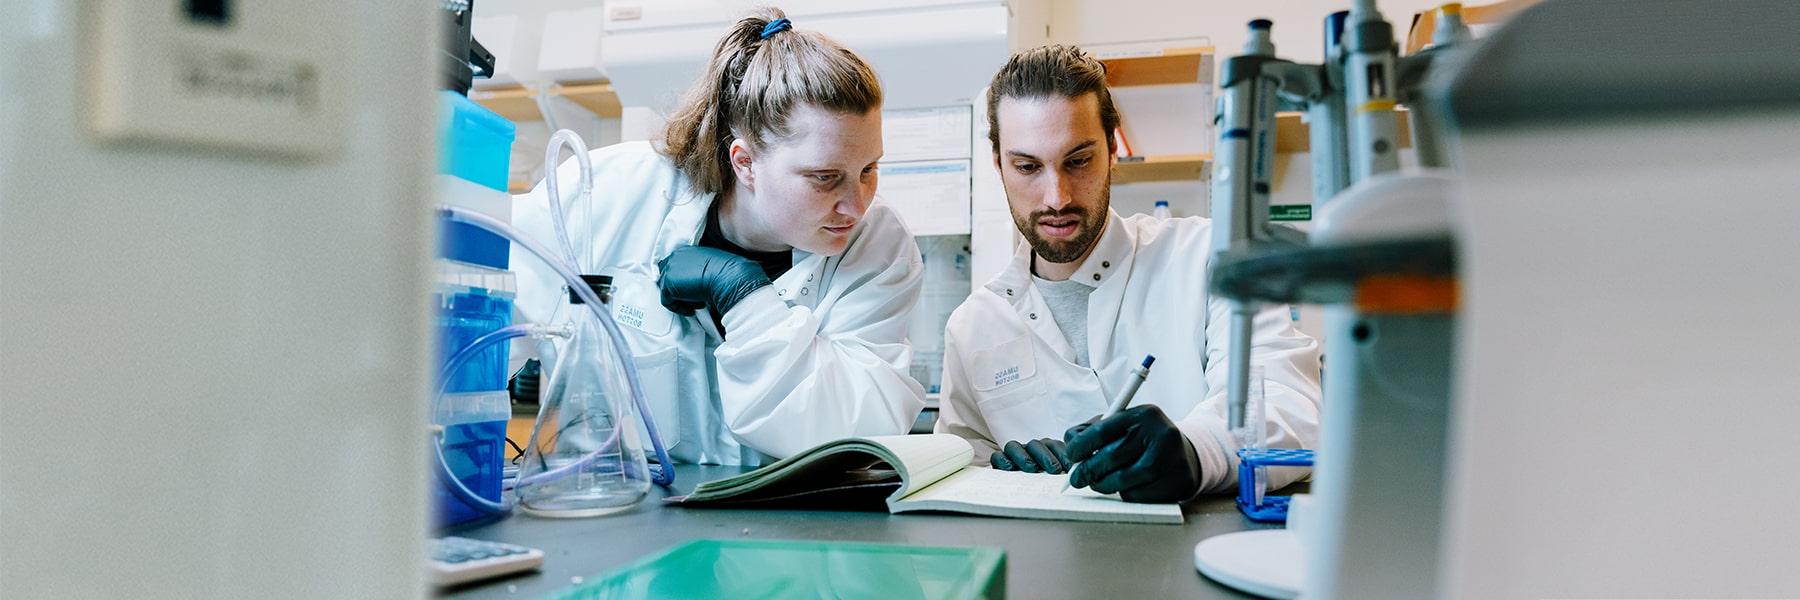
x: 1039, y: 351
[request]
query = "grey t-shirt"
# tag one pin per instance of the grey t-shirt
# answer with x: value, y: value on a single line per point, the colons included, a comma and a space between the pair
x: 1068, y: 301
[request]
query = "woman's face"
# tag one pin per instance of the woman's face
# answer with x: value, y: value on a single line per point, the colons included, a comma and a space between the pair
x: 808, y: 190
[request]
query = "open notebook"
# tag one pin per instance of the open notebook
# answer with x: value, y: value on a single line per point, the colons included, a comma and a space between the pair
x: 913, y: 473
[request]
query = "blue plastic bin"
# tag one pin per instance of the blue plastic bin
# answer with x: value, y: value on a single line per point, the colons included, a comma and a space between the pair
x: 472, y: 301
x: 476, y: 452
x: 476, y: 145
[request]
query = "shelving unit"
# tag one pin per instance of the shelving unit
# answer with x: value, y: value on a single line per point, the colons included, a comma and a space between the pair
x: 1170, y: 66
x: 1293, y: 135
x: 1167, y: 167
x: 1425, y: 23
x: 519, y: 103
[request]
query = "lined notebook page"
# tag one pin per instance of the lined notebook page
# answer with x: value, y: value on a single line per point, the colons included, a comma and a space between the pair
x: 928, y: 458
x: 1029, y: 495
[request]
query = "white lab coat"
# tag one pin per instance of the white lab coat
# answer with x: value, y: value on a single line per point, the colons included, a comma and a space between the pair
x: 1009, y: 374
x: 820, y: 355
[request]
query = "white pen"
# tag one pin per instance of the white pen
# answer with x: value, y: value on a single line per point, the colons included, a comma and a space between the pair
x: 1124, y: 398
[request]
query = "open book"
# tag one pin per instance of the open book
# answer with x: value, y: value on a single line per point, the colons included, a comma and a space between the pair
x: 916, y: 473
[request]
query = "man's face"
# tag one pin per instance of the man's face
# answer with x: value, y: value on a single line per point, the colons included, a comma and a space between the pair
x: 1057, y: 172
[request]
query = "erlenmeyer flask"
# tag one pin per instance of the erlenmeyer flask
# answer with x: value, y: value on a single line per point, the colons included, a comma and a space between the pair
x: 585, y: 457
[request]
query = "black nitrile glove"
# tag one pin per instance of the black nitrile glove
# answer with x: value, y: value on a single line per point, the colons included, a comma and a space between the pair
x: 695, y: 277
x: 1042, y: 455
x: 1138, y: 453
x: 523, y: 387
x: 1076, y: 430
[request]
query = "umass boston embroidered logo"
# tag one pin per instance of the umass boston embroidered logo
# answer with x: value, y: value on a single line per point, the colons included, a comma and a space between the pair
x: 1007, y: 375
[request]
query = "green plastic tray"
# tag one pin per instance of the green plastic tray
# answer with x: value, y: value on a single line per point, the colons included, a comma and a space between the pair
x: 803, y: 569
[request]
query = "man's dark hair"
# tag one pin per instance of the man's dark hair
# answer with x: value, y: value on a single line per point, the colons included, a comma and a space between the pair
x: 1055, y: 70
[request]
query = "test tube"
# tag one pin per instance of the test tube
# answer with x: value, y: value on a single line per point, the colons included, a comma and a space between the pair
x: 1252, y: 434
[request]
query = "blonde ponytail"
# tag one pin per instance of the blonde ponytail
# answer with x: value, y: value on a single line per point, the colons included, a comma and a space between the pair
x: 751, y: 84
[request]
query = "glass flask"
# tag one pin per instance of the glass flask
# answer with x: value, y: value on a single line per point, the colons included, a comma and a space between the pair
x: 585, y: 456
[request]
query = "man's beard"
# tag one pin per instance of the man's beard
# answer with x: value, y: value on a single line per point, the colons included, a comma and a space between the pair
x: 1090, y: 227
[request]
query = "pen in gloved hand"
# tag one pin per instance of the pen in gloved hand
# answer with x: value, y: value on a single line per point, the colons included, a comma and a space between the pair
x: 1124, y: 398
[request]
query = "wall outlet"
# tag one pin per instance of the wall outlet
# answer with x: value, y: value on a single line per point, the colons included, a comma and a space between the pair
x: 248, y: 75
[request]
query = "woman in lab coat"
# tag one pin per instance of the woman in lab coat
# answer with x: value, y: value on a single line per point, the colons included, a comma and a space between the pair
x: 765, y: 299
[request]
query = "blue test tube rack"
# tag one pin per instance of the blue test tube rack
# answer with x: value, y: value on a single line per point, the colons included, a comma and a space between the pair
x: 1252, y: 499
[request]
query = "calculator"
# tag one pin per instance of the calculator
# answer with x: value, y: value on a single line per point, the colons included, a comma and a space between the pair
x: 457, y: 560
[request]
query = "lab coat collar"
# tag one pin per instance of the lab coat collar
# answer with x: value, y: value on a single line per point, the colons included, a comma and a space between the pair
x: 801, y: 285
x: 1109, y: 258
x: 687, y: 217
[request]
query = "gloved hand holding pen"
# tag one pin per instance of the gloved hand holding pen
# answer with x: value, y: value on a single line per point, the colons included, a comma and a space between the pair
x: 1137, y: 453
x: 1046, y: 455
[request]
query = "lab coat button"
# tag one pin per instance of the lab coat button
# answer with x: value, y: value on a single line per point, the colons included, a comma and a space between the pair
x: 803, y: 291
x: 1096, y: 277
x: 1033, y: 316
x: 1106, y: 264
x: 782, y: 293
x: 1009, y: 292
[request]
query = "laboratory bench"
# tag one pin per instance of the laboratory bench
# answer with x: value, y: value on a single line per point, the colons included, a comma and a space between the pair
x: 1044, y: 559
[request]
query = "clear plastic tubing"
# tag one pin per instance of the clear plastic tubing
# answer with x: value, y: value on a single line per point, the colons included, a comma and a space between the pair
x: 474, y: 347
x: 560, y: 139
x: 665, y: 473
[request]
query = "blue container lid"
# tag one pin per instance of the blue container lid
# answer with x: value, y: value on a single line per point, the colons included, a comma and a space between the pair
x: 474, y: 143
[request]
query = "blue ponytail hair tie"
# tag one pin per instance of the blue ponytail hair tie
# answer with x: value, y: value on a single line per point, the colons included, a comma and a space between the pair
x: 776, y: 26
